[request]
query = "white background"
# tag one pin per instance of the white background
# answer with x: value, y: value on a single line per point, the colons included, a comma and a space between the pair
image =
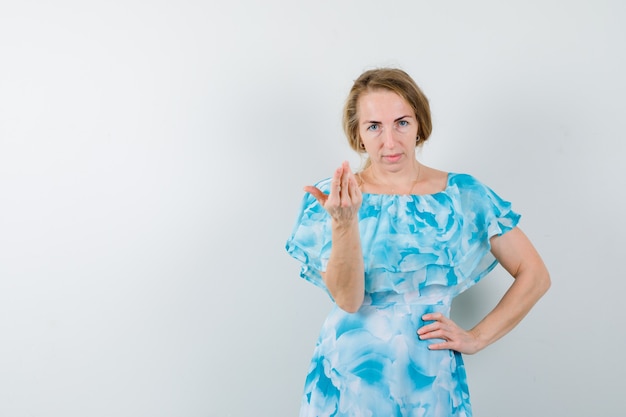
x: 152, y: 158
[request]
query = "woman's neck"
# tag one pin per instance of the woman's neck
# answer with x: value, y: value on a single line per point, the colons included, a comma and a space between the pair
x: 400, y: 182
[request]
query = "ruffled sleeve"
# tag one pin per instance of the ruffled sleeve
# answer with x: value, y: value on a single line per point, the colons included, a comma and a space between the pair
x: 485, y: 215
x: 435, y: 244
x: 499, y: 217
x: 310, y: 240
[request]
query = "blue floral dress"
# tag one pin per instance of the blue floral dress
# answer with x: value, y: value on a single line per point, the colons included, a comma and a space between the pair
x: 419, y: 251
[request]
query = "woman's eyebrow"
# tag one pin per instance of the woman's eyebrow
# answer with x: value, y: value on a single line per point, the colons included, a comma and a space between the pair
x: 395, y: 120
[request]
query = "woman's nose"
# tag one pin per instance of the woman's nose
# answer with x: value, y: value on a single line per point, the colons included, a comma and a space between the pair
x: 388, y: 138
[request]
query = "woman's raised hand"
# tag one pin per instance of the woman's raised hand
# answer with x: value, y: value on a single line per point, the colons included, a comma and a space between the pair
x: 345, y: 197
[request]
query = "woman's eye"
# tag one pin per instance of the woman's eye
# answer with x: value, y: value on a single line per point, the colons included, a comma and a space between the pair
x: 372, y: 128
x: 403, y: 123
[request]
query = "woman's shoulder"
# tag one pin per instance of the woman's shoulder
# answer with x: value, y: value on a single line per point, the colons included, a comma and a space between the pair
x: 430, y: 181
x: 464, y: 181
x: 474, y: 192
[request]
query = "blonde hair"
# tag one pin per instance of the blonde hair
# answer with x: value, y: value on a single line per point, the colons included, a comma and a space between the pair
x: 391, y: 79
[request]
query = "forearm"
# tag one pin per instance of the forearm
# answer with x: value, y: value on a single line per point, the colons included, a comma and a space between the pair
x: 528, y: 287
x: 344, y: 276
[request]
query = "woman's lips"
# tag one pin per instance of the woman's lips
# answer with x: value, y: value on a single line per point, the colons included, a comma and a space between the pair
x: 392, y: 158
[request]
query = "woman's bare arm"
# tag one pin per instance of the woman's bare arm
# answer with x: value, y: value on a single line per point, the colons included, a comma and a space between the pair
x: 344, y: 276
x: 518, y: 256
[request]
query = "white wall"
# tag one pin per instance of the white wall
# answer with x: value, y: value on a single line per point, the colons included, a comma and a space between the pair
x: 152, y: 157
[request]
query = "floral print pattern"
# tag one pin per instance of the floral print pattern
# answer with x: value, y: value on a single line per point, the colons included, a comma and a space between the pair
x: 420, y: 251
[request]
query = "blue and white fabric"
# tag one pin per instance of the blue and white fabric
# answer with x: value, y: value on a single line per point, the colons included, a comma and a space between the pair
x: 420, y: 251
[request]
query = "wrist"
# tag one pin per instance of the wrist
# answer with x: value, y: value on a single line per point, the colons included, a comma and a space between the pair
x: 479, y: 340
x: 344, y: 225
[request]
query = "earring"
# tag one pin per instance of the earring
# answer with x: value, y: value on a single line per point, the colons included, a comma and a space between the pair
x: 417, y: 140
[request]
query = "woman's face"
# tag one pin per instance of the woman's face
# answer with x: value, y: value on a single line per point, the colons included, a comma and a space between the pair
x: 388, y: 129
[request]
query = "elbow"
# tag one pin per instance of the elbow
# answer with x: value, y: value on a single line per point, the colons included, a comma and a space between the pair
x: 543, y: 282
x: 350, y: 305
x: 546, y: 282
x: 349, y: 308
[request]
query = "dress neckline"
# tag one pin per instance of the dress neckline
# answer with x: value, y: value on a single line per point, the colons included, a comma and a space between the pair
x: 444, y: 191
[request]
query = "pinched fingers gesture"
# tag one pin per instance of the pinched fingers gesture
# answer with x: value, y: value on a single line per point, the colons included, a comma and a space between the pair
x: 450, y: 335
x: 344, y: 200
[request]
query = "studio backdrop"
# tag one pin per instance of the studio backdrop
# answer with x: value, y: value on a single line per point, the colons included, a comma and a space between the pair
x: 152, y: 159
